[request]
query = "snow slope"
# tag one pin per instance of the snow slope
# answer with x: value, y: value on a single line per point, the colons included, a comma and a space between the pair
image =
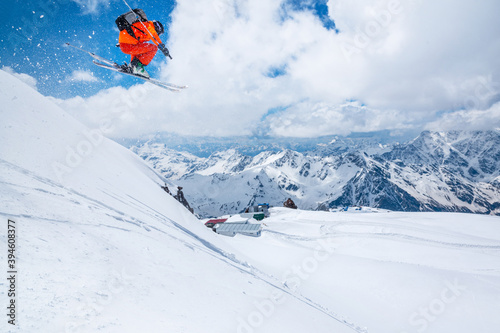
x: 390, y: 271
x: 102, y: 248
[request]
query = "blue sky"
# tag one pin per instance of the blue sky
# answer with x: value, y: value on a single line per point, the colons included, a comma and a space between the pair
x: 269, y: 67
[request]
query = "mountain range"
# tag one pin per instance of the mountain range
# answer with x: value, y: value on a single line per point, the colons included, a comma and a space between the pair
x: 454, y: 171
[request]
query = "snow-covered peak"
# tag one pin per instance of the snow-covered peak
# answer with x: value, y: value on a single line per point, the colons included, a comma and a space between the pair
x: 436, y: 171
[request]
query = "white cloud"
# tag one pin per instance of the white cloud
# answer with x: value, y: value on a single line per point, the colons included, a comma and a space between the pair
x: 82, y: 76
x: 29, y: 80
x: 468, y: 120
x: 311, y: 120
x: 416, y: 50
x: 405, y: 60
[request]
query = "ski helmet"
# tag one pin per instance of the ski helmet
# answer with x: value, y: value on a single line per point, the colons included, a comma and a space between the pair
x: 158, y: 27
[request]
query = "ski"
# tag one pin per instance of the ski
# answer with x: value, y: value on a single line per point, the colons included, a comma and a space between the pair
x: 117, y: 68
x: 104, y: 63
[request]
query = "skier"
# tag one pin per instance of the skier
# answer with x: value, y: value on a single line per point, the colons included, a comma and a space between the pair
x: 135, y: 34
x: 136, y: 31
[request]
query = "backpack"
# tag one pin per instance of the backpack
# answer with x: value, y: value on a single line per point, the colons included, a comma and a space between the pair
x: 125, y: 21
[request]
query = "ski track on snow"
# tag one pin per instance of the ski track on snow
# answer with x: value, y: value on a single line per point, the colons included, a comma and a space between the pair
x: 331, y: 231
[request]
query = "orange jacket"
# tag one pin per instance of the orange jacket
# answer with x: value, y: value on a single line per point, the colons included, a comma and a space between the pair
x: 140, y: 34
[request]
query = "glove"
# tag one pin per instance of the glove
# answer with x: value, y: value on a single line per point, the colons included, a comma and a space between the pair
x: 164, y: 50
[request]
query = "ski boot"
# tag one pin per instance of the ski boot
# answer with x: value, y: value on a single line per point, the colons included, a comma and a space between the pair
x: 137, y: 68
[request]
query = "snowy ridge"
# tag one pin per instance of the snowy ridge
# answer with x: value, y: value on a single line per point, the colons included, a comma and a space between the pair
x: 452, y: 171
x: 375, y: 142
